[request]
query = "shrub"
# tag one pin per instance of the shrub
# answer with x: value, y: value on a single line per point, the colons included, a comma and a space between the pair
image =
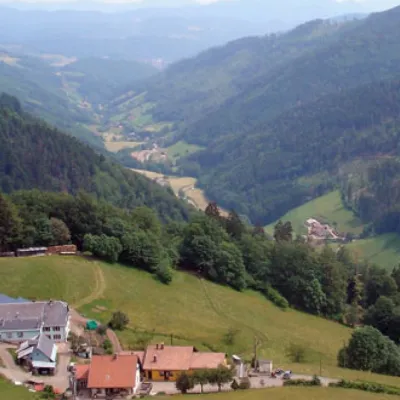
x: 107, y: 346
x: 184, y: 382
x: 101, y: 330
x: 303, y: 382
x: 164, y: 273
x: 273, y: 295
x: 297, y: 353
x: 234, y: 385
x: 245, y: 384
x: 118, y: 321
x: 367, y: 387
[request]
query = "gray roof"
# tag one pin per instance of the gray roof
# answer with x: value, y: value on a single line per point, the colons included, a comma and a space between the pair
x: 45, y: 345
x: 20, y: 324
x: 32, y: 314
x: 41, y: 343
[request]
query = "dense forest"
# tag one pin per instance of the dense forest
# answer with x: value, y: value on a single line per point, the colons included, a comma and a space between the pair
x: 34, y: 155
x: 276, y: 168
x: 279, y: 112
x: 285, y: 270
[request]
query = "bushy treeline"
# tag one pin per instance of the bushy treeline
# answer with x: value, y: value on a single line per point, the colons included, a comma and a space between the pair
x: 369, y: 350
x: 222, y: 249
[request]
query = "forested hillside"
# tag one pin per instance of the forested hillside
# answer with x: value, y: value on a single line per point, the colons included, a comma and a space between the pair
x: 278, y: 114
x: 221, y: 73
x: 35, y: 83
x: 278, y: 167
x: 34, y: 155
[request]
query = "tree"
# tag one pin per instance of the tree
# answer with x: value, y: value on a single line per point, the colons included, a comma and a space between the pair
x: 59, y: 231
x: 234, y: 225
x: 297, y: 353
x: 119, y: 321
x: 201, y: 377
x: 184, y: 382
x: 396, y: 276
x: 44, y: 236
x: 48, y: 393
x: 142, y: 249
x: 220, y: 376
x: 212, y: 211
x: 10, y: 224
x: 283, y: 232
x: 369, y: 350
x: 228, y: 267
x: 146, y: 219
x: 378, y: 283
x: 384, y: 316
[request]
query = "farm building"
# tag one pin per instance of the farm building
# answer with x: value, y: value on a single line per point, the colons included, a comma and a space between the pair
x: 165, y: 363
x: 38, y: 354
x: 111, y: 375
x: 27, y: 320
x: 31, y: 251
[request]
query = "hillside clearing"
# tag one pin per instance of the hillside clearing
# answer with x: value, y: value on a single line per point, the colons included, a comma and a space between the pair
x: 181, y: 149
x: 183, y: 187
x: 115, y: 147
x: 383, y: 250
x: 193, y: 311
x: 328, y: 208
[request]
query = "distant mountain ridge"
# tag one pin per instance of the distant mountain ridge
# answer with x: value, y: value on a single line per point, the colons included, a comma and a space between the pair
x: 244, y: 100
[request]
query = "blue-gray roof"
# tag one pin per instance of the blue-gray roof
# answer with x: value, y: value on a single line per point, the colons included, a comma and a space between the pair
x: 4, y: 299
x: 29, y: 314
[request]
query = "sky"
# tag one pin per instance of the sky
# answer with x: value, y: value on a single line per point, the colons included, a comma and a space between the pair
x: 367, y: 5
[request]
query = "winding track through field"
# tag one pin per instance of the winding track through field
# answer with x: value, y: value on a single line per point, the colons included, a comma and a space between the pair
x: 99, y: 288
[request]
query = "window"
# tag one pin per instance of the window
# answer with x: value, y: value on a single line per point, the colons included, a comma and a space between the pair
x: 20, y: 334
x: 9, y: 335
x: 161, y: 373
x: 57, y: 337
x: 48, y: 336
x: 56, y: 328
x: 46, y: 329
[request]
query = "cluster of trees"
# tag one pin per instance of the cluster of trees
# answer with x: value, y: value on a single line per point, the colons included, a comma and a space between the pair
x: 218, y: 376
x: 223, y: 249
x: 369, y: 350
x: 34, y: 155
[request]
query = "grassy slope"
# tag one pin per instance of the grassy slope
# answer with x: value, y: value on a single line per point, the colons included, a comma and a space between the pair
x: 11, y: 392
x: 290, y: 394
x: 195, y: 312
x: 182, y: 149
x: 383, y: 250
x: 325, y: 208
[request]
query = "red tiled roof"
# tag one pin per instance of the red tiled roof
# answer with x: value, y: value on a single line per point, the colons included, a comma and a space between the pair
x: 206, y: 360
x: 168, y: 358
x: 82, y: 371
x: 109, y: 372
x: 138, y: 354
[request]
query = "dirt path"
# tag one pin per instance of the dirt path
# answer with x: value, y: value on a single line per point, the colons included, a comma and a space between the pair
x: 99, y: 288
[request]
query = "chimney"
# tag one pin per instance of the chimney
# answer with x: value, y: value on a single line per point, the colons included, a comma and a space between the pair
x: 157, y: 346
x: 161, y: 346
x: 115, y: 356
x: 155, y: 358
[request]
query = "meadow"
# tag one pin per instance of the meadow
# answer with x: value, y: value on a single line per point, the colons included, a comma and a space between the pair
x: 328, y: 208
x: 189, y: 311
x: 291, y: 393
x: 181, y: 149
